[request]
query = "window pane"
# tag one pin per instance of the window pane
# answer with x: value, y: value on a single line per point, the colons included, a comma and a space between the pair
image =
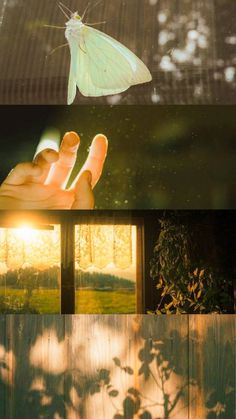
x: 30, y: 269
x: 105, y: 268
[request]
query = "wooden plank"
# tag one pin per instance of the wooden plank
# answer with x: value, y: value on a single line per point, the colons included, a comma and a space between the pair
x: 63, y: 365
x: 57, y: 355
x: 168, y: 384
x: 212, y: 364
x: 35, y: 343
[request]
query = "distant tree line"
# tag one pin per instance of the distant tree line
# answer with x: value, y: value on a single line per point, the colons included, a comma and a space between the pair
x: 100, y: 280
x: 50, y: 279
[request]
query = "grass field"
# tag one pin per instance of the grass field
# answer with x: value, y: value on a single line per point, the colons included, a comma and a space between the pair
x: 105, y: 302
x: 44, y: 301
x: 87, y: 301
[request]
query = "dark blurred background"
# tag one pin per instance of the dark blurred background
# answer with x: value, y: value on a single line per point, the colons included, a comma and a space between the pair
x: 159, y: 157
x: 189, y: 46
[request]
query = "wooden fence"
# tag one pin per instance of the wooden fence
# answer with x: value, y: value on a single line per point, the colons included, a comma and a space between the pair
x: 121, y: 366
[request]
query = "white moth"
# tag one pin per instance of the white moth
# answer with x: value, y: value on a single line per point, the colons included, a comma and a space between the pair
x: 100, y: 65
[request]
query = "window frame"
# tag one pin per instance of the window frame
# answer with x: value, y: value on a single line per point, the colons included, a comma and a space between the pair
x: 67, y: 221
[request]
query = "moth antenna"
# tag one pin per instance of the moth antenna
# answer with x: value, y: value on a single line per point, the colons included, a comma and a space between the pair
x: 63, y: 11
x: 86, y: 9
x: 65, y: 7
x: 90, y: 8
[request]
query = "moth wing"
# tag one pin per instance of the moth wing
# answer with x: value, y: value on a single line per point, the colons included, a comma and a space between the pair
x: 73, y: 73
x: 105, y: 66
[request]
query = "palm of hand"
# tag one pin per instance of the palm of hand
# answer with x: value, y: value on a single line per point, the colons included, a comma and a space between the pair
x: 41, y: 184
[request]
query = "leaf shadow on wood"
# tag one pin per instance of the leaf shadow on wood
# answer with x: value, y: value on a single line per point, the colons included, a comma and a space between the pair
x: 162, y: 355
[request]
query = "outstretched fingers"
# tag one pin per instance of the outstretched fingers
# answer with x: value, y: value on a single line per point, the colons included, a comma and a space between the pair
x: 45, y: 160
x: 61, y: 170
x: 95, y: 160
x: 23, y: 173
x: 84, y: 198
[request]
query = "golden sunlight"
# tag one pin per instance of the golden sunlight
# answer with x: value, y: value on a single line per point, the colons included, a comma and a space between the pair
x: 29, y: 246
x: 107, y: 248
x: 26, y: 233
x: 110, y: 249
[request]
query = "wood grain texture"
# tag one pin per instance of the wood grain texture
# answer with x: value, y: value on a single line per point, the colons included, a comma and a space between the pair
x: 212, y: 361
x: 66, y: 366
x: 28, y: 74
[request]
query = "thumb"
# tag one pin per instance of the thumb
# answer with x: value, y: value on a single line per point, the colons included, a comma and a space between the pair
x: 84, y: 198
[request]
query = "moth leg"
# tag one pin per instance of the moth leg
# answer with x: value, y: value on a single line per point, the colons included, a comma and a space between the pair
x: 57, y: 48
x: 96, y: 23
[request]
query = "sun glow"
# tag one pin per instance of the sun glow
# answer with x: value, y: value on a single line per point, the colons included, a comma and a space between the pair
x: 109, y: 249
x: 26, y: 233
x: 29, y: 245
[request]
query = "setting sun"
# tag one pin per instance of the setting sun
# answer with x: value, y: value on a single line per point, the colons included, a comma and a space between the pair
x: 26, y: 233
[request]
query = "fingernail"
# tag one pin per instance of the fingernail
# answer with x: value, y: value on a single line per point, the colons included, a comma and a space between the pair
x: 102, y: 137
x: 72, y: 138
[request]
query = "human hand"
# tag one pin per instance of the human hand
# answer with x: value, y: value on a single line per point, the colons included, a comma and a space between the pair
x: 41, y: 183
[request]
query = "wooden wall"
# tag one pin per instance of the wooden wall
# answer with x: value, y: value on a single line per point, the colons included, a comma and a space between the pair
x: 49, y: 367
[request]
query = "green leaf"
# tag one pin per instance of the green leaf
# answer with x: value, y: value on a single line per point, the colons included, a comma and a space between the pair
x: 194, y: 286
x: 199, y: 293
x: 168, y: 306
